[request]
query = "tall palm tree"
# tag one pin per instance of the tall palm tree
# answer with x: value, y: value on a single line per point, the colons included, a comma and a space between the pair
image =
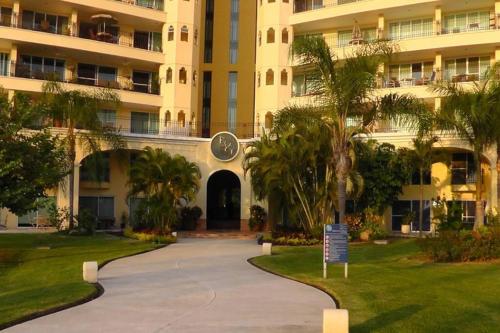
x: 164, y: 181
x: 344, y: 90
x: 421, y: 158
x: 472, y: 112
x: 78, y: 111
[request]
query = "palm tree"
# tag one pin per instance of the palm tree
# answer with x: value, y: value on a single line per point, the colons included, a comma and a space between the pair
x: 472, y: 112
x: 78, y: 110
x: 165, y: 181
x: 344, y: 99
x: 421, y: 159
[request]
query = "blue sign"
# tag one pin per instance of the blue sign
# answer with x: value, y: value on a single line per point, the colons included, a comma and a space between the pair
x: 336, y: 243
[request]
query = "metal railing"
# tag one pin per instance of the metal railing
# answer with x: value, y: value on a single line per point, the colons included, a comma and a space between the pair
x: 152, y: 4
x: 59, y: 73
x: 300, y: 6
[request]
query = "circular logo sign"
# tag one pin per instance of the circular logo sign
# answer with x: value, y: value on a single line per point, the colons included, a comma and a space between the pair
x: 225, y: 146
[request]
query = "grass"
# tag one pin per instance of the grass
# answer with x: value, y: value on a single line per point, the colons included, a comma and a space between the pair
x: 392, y: 288
x: 34, y: 278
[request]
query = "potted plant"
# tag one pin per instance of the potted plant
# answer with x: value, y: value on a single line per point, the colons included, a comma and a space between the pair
x: 257, y: 219
x: 406, y: 223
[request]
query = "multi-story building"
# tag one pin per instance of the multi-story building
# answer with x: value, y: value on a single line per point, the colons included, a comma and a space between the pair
x: 186, y: 70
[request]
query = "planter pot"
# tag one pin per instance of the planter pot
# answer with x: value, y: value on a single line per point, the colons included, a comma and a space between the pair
x: 365, y: 236
x: 405, y: 229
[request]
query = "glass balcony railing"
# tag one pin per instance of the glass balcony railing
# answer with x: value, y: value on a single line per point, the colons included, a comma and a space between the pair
x: 153, y: 4
x: 308, y: 5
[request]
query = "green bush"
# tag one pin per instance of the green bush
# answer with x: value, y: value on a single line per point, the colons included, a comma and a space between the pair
x: 189, y: 217
x: 57, y: 217
x: 258, y: 218
x: 287, y: 241
x: 149, y: 236
x: 463, y: 245
x: 86, y: 223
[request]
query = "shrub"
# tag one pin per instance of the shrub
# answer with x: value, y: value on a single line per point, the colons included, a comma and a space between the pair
x: 258, y: 218
x: 189, y: 217
x: 149, y: 236
x: 57, y: 217
x: 86, y: 223
x: 463, y: 245
x: 355, y: 225
x: 287, y: 240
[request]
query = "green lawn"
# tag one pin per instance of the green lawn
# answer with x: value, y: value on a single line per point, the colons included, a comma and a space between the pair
x: 33, y: 279
x: 392, y: 288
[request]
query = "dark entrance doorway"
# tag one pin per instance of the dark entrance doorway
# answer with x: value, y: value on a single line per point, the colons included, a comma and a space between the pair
x: 223, y: 201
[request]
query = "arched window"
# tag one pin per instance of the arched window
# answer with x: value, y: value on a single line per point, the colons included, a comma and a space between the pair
x: 270, y: 36
x: 284, y: 77
x: 269, y: 77
x: 168, y: 118
x: 169, y: 75
x: 170, y: 33
x: 260, y: 38
x: 182, y: 75
x: 195, y: 78
x: 284, y: 36
x: 184, y: 33
x: 181, y: 118
x: 269, y: 120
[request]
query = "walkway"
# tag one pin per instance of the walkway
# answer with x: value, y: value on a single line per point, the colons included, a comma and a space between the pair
x: 195, y: 286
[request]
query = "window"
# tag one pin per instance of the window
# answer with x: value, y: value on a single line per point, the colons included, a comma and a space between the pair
x: 234, y: 31
x: 103, y: 208
x: 134, y: 210
x: 419, y: 73
x: 184, y: 34
x: 268, y: 120
x: 96, y: 168
x: 151, y: 41
x: 40, y: 68
x: 142, y: 81
x: 209, y: 30
x: 170, y: 35
x: 258, y: 79
x: 460, y: 22
x: 284, y: 77
x: 97, y: 75
x: 468, y: 211
x: 269, y: 77
x: 284, y: 36
x: 411, y: 28
x: 168, y: 117
x: 232, y: 105
x: 181, y: 118
x: 270, y: 35
x: 206, y: 104
x: 182, y: 76
x: 144, y: 123
x: 107, y: 118
x: 169, y: 75
x: 301, y: 85
x: 39, y: 216
x: 345, y: 37
x: 463, y: 170
x: 415, y: 178
x: 6, y: 16
x: 466, y: 69
x: 401, y: 208
x: 45, y: 22
x: 4, y: 64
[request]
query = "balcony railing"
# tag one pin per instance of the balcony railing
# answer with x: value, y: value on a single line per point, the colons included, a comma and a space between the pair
x: 308, y: 5
x: 72, y: 30
x: 152, y: 4
x: 58, y: 73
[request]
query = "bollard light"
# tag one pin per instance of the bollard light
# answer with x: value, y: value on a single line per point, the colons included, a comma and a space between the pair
x: 90, y: 271
x: 335, y: 321
x: 267, y: 249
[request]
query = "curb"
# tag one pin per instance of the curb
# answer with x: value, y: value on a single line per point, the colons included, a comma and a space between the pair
x: 337, y: 303
x: 99, y: 290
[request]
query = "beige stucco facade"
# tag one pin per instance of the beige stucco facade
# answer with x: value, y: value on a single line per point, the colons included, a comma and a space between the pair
x: 172, y: 62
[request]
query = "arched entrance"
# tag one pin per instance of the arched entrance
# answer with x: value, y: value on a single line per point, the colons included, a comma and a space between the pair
x: 223, y: 201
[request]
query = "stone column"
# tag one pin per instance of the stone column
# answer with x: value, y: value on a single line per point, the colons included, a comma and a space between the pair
x: 381, y: 27
x: 438, y: 66
x: 438, y: 20
x: 16, y: 10
x: 73, y: 25
x: 13, y: 59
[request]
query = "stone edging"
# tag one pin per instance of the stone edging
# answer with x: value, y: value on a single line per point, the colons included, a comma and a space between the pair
x: 99, y: 290
x: 337, y: 303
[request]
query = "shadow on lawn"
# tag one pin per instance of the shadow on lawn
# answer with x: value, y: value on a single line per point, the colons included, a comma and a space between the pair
x: 387, y: 318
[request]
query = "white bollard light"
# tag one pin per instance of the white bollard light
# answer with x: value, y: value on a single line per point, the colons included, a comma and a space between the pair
x: 90, y: 271
x: 267, y: 249
x: 174, y: 234
x: 335, y: 321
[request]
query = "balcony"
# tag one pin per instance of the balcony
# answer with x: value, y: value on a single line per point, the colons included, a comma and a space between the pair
x: 300, y: 6
x: 31, y: 77
x: 134, y: 10
x: 152, y: 4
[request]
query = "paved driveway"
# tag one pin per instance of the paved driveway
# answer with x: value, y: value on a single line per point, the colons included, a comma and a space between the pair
x: 195, y: 286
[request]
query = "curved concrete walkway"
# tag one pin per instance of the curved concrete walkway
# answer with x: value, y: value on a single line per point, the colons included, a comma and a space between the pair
x: 195, y: 286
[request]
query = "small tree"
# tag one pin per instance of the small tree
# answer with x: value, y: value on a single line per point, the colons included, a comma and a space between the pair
x: 165, y: 182
x: 31, y: 161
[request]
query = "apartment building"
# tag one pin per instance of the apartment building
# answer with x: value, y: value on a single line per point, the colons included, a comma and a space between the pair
x: 186, y: 70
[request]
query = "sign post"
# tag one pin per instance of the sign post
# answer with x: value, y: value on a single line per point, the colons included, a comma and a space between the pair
x: 335, y: 246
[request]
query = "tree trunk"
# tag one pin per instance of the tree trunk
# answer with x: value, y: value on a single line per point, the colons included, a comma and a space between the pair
x: 421, y: 206
x: 71, y: 194
x: 342, y: 189
x: 479, y: 222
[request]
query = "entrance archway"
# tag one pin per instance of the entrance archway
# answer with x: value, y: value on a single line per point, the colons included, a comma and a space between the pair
x: 223, y: 201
